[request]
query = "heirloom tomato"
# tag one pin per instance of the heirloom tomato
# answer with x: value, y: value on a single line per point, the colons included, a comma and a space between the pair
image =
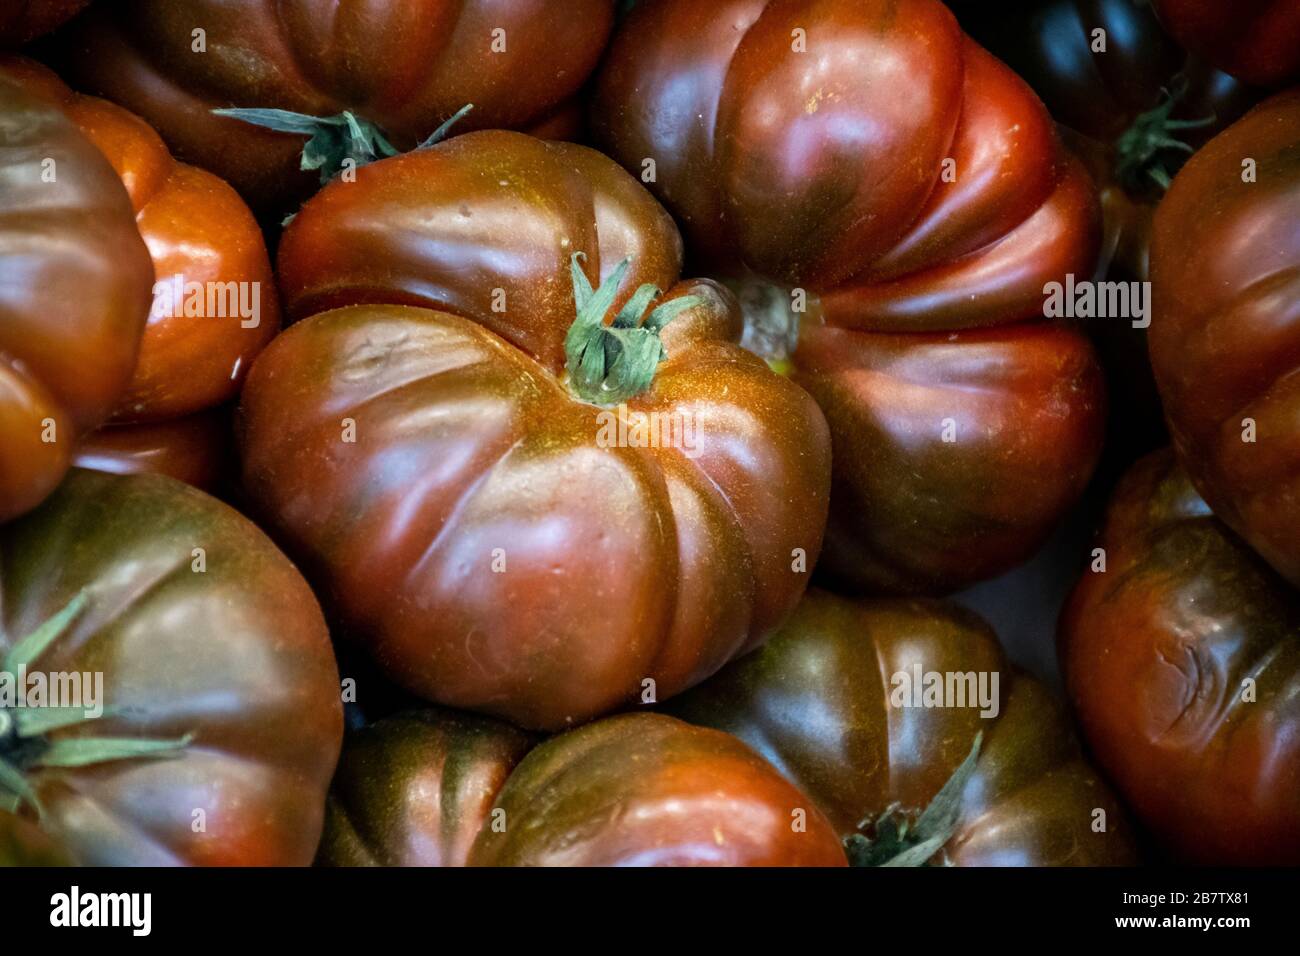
x: 517, y: 511
x: 1255, y: 40
x: 216, y: 720
x: 1134, y: 103
x: 25, y: 20
x: 907, y: 193
x: 75, y: 281
x: 399, y: 68
x: 1182, y: 660
x: 215, y: 303
x: 835, y: 701
x: 436, y: 788
x: 1225, y: 328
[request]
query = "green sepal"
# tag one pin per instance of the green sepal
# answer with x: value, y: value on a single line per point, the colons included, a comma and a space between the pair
x: 85, y: 751
x: 609, y: 364
x: 896, y: 841
x: 19, y: 790
x: 333, y: 140
x: 1141, y: 150
x: 34, y: 721
x: 28, y: 649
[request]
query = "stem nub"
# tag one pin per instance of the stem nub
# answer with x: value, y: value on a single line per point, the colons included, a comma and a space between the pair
x: 609, y: 364
x: 896, y: 841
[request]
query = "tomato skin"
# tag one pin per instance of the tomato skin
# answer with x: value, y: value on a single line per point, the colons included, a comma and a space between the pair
x: 1225, y: 332
x: 198, y: 450
x: 22, y: 21
x: 406, y: 66
x: 23, y: 844
x: 1156, y: 650
x: 195, y: 226
x: 1255, y: 40
x: 1032, y: 797
x: 415, y: 789
x: 435, y: 787
x: 1025, y: 401
x: 760, y: 153
x: 620, y: 563
x: 175, y: 648
x: 69, y: 250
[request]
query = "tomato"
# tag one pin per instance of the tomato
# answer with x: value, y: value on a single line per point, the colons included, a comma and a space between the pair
x: 404, y: 67
x: 215, y: 303
x: 436, y: 788
x: 216, y: 669
x: 1183, y: 665
x: 477, y: 512
x: 1126, y: 104
x: 198, y: 450
x: 1255, y: 40
x: 780, y: 137
x: 827, y: 701
x: 1225, y: 331
x: 24, y: 20
x: 75, y: 284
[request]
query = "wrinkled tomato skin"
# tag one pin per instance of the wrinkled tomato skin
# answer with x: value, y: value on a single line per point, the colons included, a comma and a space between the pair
x: 1225, y: 330
x: 198, y: 450
x: 75, y: 283
x: 406, y: 66
x: 1032, y: 798
x: 439, y: 788
x: 760, y: 150
x: 478, y: 535
x: 1160, y: 651
x: 196, y: 227
x: 1257, y: 41
x: 22, y: 21
x: 238, y: 655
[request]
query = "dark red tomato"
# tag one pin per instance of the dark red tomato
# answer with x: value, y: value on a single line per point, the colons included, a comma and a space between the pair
x: 403, y: 65
x: 216, y: 670
x: 75, y: 282
x: 1225, y: 331
x: 436, y: 788
x: 1182, y: 660
x: 198, y: 450
x: 824, y: 702
x: 215, y: 302
x: 1127, y: 103
x: 1255, y: 40
x: 872, y: 155
x: 476, y: 514
x: 24, y: 20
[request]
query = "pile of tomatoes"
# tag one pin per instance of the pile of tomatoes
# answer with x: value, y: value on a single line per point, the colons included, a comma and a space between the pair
x: 553, y: 432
